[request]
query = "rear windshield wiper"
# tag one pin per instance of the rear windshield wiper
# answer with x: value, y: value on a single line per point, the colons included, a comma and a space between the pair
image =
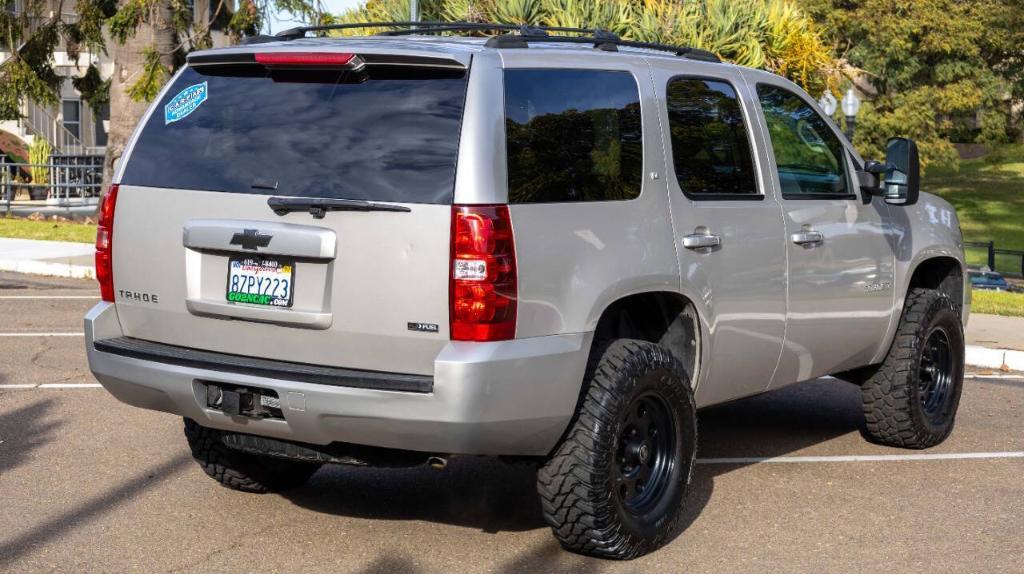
x: 319, y: 206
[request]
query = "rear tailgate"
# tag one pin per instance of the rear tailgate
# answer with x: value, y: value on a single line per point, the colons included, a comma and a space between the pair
x: 195, y: 238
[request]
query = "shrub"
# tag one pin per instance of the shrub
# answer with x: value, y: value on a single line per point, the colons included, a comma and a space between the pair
x: 39, y: 153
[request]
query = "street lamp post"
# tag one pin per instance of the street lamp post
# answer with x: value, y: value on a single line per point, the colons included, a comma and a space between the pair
x: 414, y: 11
x: 828, y: 103
x: 851, y: 105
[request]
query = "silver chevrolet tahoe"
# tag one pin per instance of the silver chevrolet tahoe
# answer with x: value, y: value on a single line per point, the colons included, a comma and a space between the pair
x: 395, y: 249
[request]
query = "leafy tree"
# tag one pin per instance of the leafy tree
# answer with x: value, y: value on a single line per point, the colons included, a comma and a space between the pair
x: 772, y: 34
x: 150, y: 40
x: 934, y: 65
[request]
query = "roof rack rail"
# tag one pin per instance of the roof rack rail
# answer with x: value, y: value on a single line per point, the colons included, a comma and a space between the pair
x: 520, y: 38
x: 430, y: 27
x: 300, y: 31
x: 603, y: 43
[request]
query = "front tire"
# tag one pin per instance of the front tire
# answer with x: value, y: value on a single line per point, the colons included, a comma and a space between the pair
x: 911, y: 399
x: 615, y: 486
x: 242, y: 471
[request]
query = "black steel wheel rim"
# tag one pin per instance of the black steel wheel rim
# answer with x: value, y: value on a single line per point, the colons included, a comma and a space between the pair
x: 935, y: 375
x: 645, y: 453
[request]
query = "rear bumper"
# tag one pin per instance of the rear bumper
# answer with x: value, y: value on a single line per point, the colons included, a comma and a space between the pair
x: 509, y: 398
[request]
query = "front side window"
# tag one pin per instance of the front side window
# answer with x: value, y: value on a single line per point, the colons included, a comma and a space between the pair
x: 710, y: 147
x: 572, y: 135
x: 810, y: 159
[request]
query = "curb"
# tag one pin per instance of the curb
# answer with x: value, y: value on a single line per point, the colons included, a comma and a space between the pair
x: 45, y: 257
x: 48, y: 268
x: 994, y: 358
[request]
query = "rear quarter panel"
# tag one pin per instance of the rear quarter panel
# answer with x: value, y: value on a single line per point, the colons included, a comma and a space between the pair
x: 574, y: 259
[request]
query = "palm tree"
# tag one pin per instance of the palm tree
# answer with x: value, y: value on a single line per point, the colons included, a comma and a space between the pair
x: 771, y: 34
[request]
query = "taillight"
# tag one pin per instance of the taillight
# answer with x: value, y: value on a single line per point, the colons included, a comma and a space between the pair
x: 309, y: 59
x: 105, y: 244
x: 483, y: 274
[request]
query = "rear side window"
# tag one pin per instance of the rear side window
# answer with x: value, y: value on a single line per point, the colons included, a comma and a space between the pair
x: 710, y: 146
x: 385, y: 134
x: 572, y: 135
x: 810, y: 159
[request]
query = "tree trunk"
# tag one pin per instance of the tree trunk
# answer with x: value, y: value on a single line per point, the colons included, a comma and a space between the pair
x: 129, y: 62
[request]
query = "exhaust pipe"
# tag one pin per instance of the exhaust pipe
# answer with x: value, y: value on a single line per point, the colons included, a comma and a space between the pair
x: 437, y: 463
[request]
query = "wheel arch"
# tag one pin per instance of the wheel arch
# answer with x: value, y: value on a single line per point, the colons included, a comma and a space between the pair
x: 667, y: 318
x: 935, y: 269
x: 942, y: 273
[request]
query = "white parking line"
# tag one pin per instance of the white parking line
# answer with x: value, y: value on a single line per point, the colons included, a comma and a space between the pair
x: 53, y: 386
x: 42, y: 334
x: 999, y: 376
x: 864, y: 457
x: 49, y: 296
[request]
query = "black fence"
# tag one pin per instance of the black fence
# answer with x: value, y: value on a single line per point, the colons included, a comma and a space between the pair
x: 63, y: 183
x: 1006, y: 261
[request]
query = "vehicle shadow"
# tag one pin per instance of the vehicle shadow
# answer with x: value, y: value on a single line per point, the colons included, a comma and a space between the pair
x: 23, y: 430
x: 13, y: 548
x: 769, y: 425
x: 493, y: 496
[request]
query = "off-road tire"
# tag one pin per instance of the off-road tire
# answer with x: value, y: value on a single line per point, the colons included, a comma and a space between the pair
x: 580, y: 497
x: 242, y: 471
x: 894, y: 412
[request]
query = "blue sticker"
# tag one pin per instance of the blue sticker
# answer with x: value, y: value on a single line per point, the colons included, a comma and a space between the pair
x: 185, y: 102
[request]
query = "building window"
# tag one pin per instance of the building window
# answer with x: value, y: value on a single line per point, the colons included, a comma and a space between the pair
x: 71, y: 111
x: 102, y: 115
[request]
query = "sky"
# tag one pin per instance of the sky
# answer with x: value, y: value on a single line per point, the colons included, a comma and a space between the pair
x: 280, y: 21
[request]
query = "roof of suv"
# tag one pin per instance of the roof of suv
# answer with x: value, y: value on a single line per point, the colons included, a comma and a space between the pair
x: 440, y: 45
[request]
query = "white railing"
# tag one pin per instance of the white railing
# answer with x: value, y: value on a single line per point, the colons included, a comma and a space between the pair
x: 41, y: 123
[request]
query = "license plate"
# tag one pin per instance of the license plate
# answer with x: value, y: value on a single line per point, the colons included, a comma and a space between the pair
x: 268, y: 281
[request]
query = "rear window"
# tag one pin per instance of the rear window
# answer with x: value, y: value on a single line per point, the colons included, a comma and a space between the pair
x: 384, y: 134
x: 572, y: 135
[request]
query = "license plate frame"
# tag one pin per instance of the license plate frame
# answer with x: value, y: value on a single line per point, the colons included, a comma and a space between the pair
x: 270, y: 265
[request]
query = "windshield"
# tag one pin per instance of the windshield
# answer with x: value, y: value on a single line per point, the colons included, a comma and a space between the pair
x: 384, y: 134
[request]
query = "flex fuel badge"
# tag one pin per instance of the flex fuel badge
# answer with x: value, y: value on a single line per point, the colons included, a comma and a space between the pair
x: 185, y: 103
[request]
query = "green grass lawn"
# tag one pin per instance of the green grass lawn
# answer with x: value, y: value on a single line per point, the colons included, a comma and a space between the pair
x: 20, y: 228
x: 998, y: 303
x: 988, y: 194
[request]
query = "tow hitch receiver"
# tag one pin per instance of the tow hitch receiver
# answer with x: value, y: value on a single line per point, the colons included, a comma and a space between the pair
x: 244, y: 401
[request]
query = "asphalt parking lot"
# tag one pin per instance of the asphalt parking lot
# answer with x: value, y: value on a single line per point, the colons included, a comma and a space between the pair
x: 786, y: 484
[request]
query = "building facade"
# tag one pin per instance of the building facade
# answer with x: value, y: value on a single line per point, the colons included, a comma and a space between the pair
x: 73, y: 127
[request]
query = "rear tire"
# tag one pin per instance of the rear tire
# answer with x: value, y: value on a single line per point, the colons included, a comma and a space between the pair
x: 911, y: 400
x: 615, y: 486
x: 241, y: 471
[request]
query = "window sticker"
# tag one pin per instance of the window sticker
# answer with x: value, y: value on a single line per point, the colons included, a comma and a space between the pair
x: 185, y: 102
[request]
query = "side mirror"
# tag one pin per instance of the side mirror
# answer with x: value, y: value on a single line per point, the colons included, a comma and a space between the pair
x: 903, y: 173
x: 869, y: 179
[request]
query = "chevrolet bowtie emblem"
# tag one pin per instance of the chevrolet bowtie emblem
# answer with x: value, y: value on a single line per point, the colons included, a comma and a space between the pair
x: 251, y: 239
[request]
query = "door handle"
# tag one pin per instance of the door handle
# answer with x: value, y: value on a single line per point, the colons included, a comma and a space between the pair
x: 701, y: 241
x: 807, y: 237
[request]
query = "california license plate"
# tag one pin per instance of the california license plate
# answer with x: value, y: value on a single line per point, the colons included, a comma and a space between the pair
x: 266, y: 281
